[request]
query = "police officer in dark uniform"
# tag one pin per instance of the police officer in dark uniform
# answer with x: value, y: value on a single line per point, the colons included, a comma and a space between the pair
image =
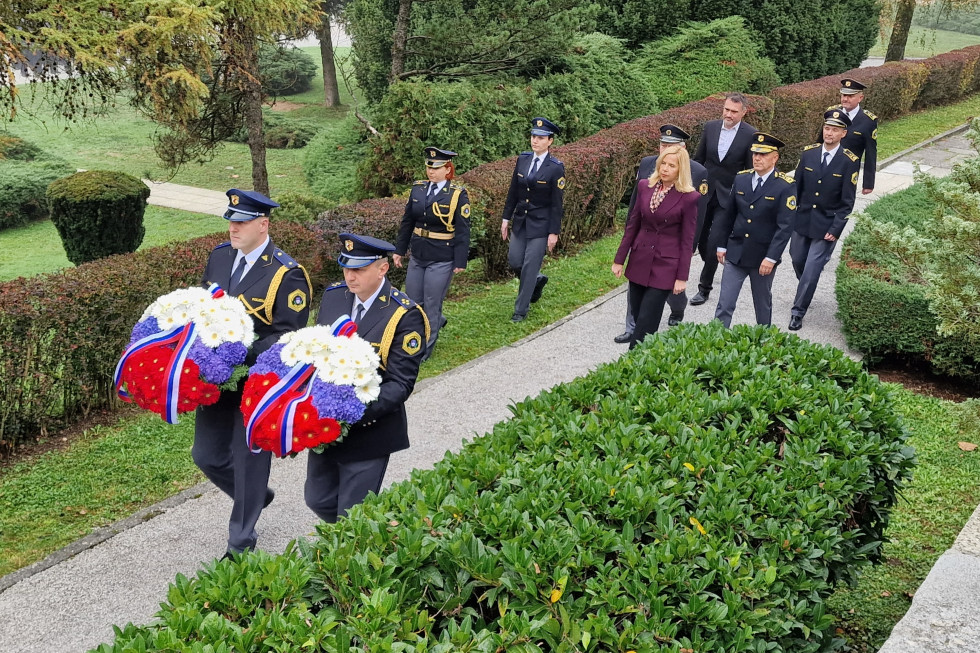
x: 754, y: 229
x: 862, y: 135
x: 275, y: 290
x: 826, y: 185
x: 670, y: 135
x: 397, y: 328
x: 535, y: 205
x: 436, y: 224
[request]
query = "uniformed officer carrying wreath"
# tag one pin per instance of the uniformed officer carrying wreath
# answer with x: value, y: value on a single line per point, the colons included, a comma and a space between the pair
x: 436, y: 224
x: 753, y: 231
x: 533, y: 212
x: 345, y: 473
x: 275, y: 290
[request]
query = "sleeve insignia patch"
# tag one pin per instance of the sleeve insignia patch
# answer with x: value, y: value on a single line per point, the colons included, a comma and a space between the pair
x: 874, y: 135
x: 412, y: 343
x: 465, y: 211
x: 791, y: 202
x: 297, y: 300
x: 854, y: 179
x: 703, y: 188
x: 561, y: 183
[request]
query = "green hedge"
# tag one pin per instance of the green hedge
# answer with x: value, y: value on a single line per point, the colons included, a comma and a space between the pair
x: 23, y: 189
x: 882, y: 305
x: 62, y: 333
x: 669, y: 501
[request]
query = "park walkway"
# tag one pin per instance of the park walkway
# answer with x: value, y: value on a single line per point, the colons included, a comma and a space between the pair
x: 69, y: 602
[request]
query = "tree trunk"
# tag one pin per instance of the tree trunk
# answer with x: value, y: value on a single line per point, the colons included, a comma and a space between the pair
x: 900, y: 31
x: 253, y: 111
x: 400, y: 39
x: 331, y: 92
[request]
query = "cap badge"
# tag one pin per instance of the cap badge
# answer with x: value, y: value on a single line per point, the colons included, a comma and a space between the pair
x: 761, y: 138
x: 235, y: 200
x: 349, y: 244
x: 667, y: 132
x: 847, y: 83
x: 836, y: 114
x: 540, y: 123
x: 432, y: 154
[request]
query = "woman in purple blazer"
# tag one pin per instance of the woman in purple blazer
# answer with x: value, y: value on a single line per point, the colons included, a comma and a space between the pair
x: 659, y: 239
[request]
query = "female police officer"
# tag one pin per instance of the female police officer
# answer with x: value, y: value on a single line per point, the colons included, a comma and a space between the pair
x: 436, y: 224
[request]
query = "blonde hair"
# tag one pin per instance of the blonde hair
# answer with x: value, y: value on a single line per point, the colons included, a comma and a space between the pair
x: 683, y: 183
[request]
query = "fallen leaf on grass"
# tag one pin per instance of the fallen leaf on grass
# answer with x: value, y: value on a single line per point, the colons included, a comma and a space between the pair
x: 966, y: 446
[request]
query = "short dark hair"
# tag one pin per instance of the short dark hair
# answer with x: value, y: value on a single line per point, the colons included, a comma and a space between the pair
x: 738, y: 98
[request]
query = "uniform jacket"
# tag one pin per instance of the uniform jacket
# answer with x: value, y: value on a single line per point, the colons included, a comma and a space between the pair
x: 384, y: 427
x: 275, y: 292
x: 659, y: 244
x: 825, y: 197
x: 699, y: 176
x: 536, y: 207
x: 862, y: 140
x: 453, y: 204
x: 757, y: 224
x: 738, y: 157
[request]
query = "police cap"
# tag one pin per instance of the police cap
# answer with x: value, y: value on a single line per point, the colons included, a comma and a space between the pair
x: 245, y: 205
x: 673, y: 134
x: 436, y: 158
x: 836, y: 118
x: 851, y: 87
x: 763, y: 143
x: 544, y: 127
x: 357, y: 251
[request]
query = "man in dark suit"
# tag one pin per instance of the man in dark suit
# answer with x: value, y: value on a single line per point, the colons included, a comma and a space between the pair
x: 862, y: 135
x: 535, y: 205
x: 275, y: 290
x: 724, y: 151
x: 753, y: 230
x: 826, y: 185
x: 345, y: 473
x: 669, y: 135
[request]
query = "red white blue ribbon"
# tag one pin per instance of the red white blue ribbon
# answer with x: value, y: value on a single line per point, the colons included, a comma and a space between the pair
x: 216, y: 290
x: 182, y: 337
x: 270, y: 405
x: 343, y: 326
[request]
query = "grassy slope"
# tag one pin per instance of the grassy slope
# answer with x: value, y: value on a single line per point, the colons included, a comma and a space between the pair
x: 924, y: 42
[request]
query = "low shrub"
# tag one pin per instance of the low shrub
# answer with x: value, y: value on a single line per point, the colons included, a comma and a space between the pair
x: 668, y: 501
x: 281, y: 132
x: 63, y: 332
x: 705, y: 58
x: 331, y: 159
x: 951, y: 77
x: 98, y: 213
x: 14, y: 148
x: 285, y: 71
x: 24, y: 187
x: 301, y: 208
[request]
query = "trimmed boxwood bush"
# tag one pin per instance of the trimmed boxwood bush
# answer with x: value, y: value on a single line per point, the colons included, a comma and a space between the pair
x: 98, y: 213
x: 704, y: 493
x: 63, y: 332
x: 285, y: 71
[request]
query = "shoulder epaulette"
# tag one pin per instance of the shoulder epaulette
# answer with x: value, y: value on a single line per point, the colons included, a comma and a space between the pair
x: 285, y: 258
x: 401, y: 298
x: 227, y: 243
x: 869, y: 114
x: 742, y: 172
x: 336, y: 285
x: 784, y: 177
x: 420, y: 182
x: 810, y: 147
x: 454, y: 186
x: 558, y: 161
x: 835, y: 106
x: 851, y: 155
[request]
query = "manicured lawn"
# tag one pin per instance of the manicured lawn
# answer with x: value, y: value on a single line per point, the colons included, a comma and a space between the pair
x: 924, y: 42
x: 902, y: 133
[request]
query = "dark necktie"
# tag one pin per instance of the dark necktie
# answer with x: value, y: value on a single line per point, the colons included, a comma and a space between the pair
x: 826, y: 160
x: 758, y: 183
x: 534, y: 169
x: 358, y: 313
x: 432, y: 191
x: 236, y: 277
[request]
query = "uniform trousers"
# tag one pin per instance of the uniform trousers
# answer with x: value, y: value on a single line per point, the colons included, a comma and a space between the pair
x: 648, y: 308
x: 676, y: 302
x: 731, y: 285
x: 223, y: 455
x: 706, y: 250
x: 332, y: 488
x: 525, y: 256
x: 427, y: 282
x: 809, y: 255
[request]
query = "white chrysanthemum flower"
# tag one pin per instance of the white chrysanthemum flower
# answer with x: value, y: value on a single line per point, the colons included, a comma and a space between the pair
x: 218, y: 320
x: 368, y: 392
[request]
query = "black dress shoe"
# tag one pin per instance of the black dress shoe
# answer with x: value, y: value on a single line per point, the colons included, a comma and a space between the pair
x: 517, y: 318
x: 700, y: 298
x: 795, y: 322
x: 675, y: 319
x: 270, y: 494
x: 624, y: 337
x: 539, y: 285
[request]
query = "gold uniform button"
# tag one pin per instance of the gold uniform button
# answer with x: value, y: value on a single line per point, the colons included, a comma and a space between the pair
x: 819, y: 181
x: 746, y: 235
x: 751, y: 206
x: 749, y: 221
x: 817, y: 194
x: 814, y: 206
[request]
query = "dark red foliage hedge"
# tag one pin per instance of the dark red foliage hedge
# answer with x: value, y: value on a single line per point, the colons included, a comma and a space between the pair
x: 62, y: 333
